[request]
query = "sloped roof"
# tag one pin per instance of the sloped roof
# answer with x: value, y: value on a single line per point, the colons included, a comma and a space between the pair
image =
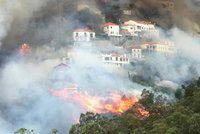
x: 110, y: 24
x: 83, y: 30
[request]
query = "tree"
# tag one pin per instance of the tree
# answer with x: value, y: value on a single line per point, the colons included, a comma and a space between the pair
x: 147, y: 98
x: 54, y: 131
x: 24, y: 131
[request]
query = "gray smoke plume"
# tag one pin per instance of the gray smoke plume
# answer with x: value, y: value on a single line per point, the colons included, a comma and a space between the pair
x: 178, y: 68
x: 25, y: 100
x: 25, y: 97
x: 15, y: 15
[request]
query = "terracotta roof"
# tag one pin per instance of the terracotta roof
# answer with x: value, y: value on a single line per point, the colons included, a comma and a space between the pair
x: 83, y: 30
x: 136, y: 47
x: 128, y: 25
x: 110, y: 24
x: 115, y: 54
x: 142, y: 22
x: 118, y: 55
x: 151, y: 43
x: 133, y: 47
x: 155, y: 43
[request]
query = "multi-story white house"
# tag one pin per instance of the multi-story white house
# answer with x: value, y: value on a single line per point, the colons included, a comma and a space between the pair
x: 115, y: 59
x: 136, y: 52
x: 111, y: 29
x: 165, y: 47
x: 131, y: 28
x: 82, y: 35
x: 140, y: 28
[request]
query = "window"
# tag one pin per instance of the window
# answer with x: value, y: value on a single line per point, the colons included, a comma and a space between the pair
x: 76, y: 34
x: 106, y: 58
x: 120, y: 59
x: 139, y: 27
x: 85, y: 34
x: 116, y: 58
x: 91, y: 35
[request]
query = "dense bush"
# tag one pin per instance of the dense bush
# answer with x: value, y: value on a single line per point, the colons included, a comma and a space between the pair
x: 183, y: 117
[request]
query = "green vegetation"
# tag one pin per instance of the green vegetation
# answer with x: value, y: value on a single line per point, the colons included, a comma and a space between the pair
x: 24, y: 131
x: 183, y: 117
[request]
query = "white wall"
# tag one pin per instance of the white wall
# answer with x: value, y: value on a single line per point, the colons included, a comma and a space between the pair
x: 83, y: 36
x: 111, y: 30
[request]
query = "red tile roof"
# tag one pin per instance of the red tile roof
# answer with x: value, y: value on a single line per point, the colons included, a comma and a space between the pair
x: 151, y: 43
x: 83, y: 30
x: 136, y: 47
x: 115, y: 54
x: 109, y: 24
x: 128, y: 25
x: 133, y: 47
x: 155, y: 43
x: 142, y: 22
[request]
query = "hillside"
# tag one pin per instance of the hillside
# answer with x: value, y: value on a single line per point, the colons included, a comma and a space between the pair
x: 181, y: 117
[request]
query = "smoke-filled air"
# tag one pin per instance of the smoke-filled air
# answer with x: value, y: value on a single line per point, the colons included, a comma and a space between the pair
x: 99, y: 66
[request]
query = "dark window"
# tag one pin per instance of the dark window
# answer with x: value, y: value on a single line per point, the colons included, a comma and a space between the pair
x: 91, y: 35
x: 106, y: 58
x: 85, y: 34
x: 138, y: 27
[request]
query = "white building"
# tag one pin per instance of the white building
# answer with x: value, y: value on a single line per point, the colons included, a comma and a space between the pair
x: 111, y: 29
x: 115, y: 59
x: 131, y: 28
x: 165, y: 47
x: 140, y: 28
x: 136, y: 52
x: 81, y: 35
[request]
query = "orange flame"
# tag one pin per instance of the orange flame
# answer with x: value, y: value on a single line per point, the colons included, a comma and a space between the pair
x: 115, y: 104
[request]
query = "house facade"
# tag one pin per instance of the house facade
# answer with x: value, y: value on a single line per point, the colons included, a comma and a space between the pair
x: 140, y: 28
x: 115, y: 59
x: 136, y: 52
x: 83, y: 35
x: 111, y: 29
x: 158, y: 47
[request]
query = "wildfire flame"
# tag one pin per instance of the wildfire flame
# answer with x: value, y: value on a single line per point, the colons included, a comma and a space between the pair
x: 115, y: 104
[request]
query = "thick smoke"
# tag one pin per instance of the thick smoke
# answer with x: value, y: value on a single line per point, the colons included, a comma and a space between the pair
x: 25, y: 100
x: 164, y: 17
x: 25, y: 97
x: 180, y: 67
x: 21, y: 21
x: 38, y: 22
x: 15, y: 15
